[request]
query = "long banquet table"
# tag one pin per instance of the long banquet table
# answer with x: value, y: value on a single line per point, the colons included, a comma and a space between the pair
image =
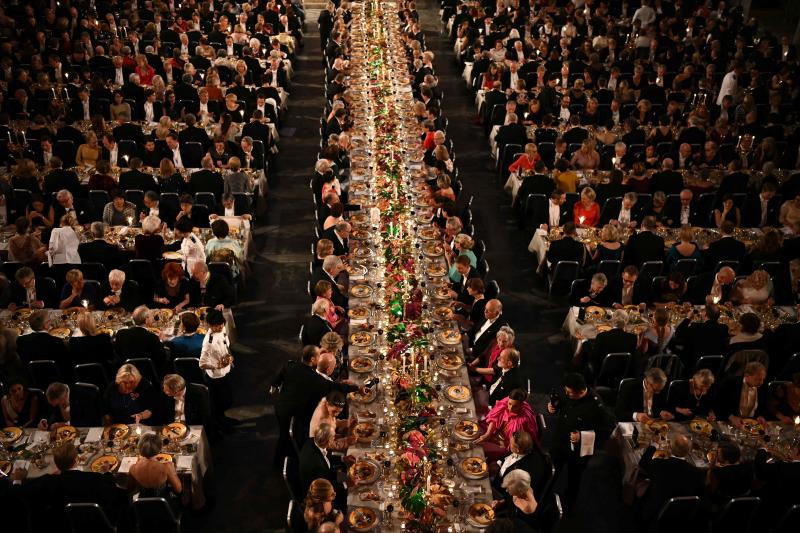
x: 405, y: 424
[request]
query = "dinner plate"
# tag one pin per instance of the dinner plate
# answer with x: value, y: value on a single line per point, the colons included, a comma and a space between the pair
x: 115, y: 313
x: 437, y: 271
x: 364, y: 431
x: 480, y: 515
x: 364, y: 398
x: 174, y: 431
x: 5, y: 467
x: 22, y: 313
x: 449, y: 361
x: 362, y: 364
x: 61, y: 333
x: 474, y: 468
x: 658, y: 426
x: 433, y: 249
x: 443, y: 313
x: 449, y: 336
x: 105, y: 463
x: 361, y: 338
x: 163, y: 458
x: 365, y: 471
x: 752, y: 426
x: 429, y: 234
x: 360, y: 235
x: 362, y: 519
x: 360, y: 291
x: 66, y: 434
x: 362, y: 252
x: 71, y: 313
x: 107, y: 331
x: 11, y: 434
x: 163, y: 315
x: 698, y: 425
x: 595, y: 311
x: 116, y: 431
x: 602, y: 328
x: 458, y: 393
x: 441, y: 293
x: 467, y: 430
x: 201, y: 312
x: 358, y: 313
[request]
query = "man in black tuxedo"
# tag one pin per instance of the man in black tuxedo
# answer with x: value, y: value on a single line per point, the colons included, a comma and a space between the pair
x: 184, y: 90
x: 315, y: 462
x: 339, y: 235
x: 528, y: 456
x: 727, y: 248
x: 568, y: 248
x: 136, y: 179
x: 667, y: 180
x: 597, y: 292
x: 194, y: 408
x: 257, y: 129
x: 615, y: 340
x: 512, y: 133
x: 82, y: 108
x: 645, y: 400
x: 331, y: 267
x: 98, y: 250
x: 718, y: 286
x: 58, y: 179
x: 669, y: 478
x: 128, y: 131
x: 153, y: 206
x: 194, y: 134
x: 316, y: 325
x: 507, y: 376
x: 762, y: 209
x: 708, y: 337
x: 629, y: 289
x: 39, y: 344
x: 483, y: 333
x: 251, y: 155
x: 742, y: 397
x: 206, y: 179
x: 25, y: 292
x: 138, y: 341
x: 79, y: 208
x: 210, y: 289
x: 459, y: 288
x: 644, y: 245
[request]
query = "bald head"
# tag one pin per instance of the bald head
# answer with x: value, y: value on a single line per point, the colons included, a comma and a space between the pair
x: 494, y: 308
x: 326, y: 363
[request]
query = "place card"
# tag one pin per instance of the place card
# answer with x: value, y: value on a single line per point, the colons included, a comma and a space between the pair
x: 40, y: 437
x: 94, y: 435
x: 195, y: 433
x: 126, y: 463
x: 184, y: 462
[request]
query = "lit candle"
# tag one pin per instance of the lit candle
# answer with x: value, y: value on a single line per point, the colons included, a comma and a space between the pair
x: 130, y: 221
x: 581, y: 219
x: 715, y: 299
x: 85, y: 304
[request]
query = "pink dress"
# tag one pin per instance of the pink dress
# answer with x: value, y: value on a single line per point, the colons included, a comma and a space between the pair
x: 506, y: 424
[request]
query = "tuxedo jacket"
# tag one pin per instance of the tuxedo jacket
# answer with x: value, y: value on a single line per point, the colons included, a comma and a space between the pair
x: 630, y: 399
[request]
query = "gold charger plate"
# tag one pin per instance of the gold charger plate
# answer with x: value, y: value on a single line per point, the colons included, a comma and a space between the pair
x: 474, y: 468
x: 115, y: 313
x: 66, y: 434
x: 437, y: 271
x: 61, y: 333
x: 105, y: 463
x: 433, y: 249
x: 364, y: 471
x: 201, y: 312
x: 362, y: 251
x: 364, y: 431
x: 361, y: 338
x: 458, y: 393
x: 360, y: 235
x: 595, y: 311
x: 441, y: 293
x: 752, y: 426
x: 359, y: 397
x: 174, y: 431
x: 698, y: 425
x: 22, y: 313
x: 107, y: 331
x: 480, y: 514
x: 449, y: 336
x: 153, y: 330
x: 467, y: 430
x: 362, y: 519
x: 443, y: 312
x: 429, y: 234
x: 658, y: 426
x: 358, y: 313
x: 360, y: 291
x: 450, y: 361
x: 10, y: 434
x: 362, y: 364
x: 163, y: 458
x: 116, y: 431
x: 163, y: 315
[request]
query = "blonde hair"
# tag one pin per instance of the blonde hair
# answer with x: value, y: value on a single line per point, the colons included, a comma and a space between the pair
x: 517, y: 482
x: 589, y: 193
x: 758, y: 279
x: 87, y: 324
x: 127, y: 372
x: 686, y: 233
x: 609, y: 233
x: 704, y: 376
x: 73, y: 275
x: 320, y: 492
x: 331, y: 342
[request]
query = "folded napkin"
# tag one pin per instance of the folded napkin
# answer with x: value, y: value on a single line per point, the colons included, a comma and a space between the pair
x: 94, y: 435
x: 184, y: 462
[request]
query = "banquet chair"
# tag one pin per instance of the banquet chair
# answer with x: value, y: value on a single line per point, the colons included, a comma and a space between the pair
x: 93, y: 271
x: 291, y: 477
x: 295, y: 435
x: 84, y: 399
x: 155, y: 514
x: 479, y: 249
x: 43, y: 372
x: 736, y: 362
x: 610, y: 268
x: 483, y: 268
x: 22, y: 198
x: 651, y: 269
x: 687, y: 267
x: 564, y: 273
x: 99, y: 198
x: 669, y: 363
x: 201, y: 392
x: 606, y: 395
x: 9, y: 268
x: 188, y: 368
x: 87, y: 517
x: 93, y: 373
x: 295, y: 523
x: 136, y: 197
x: 673, y: 386
x: 792, y: 366
x: 711, y: 362
x: 551, y: 512
x: 789, y: 520
x: 492, y: 290
x: 737, y: 515
x: 613, y: 369
x: 676, y: 514
x: 146, y: 368
x: 194, y: 153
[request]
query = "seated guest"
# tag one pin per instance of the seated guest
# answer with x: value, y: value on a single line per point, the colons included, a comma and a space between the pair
x: 658, y: 336
x: 727, y: 212
x: 586, y: 213
x: 720, y: 285
x: 327, y: 411
x: 317, y: 325
x: 324, y: 248
x: 339, y: 235
x: 319, y: 506
x: 642, y: 401
x: 223, y: 248
x: 727, y: 248
x: 504, y: 339
x: 728, y: 476
x: 57, y: 411
x: 630, y: 291
x: 34, y: 345
x: 692, y: 398
x: 784, y: 405
x: 609, y: 248
x: 506, y: 376
x: 189, y: 343
x: 229, y: 208
x: 483, y: 333
x: 63, y: 245
x: 749, y: 338
x: 742, y: 397
x: 508, y: 416
x: 525, y: 455
x: 756, y: 289
x: 149, y: 244
x: 130, y: 399
x: 669, y: 478
x: 671, y: 289
x: 179, y: 403
x: 172, y: 292
x: 774, y: 476
x: 150, y: 477
x: 644, y: 245
x: 101, y: 180
x: 768, y: 248
x: 75, y: 292
x: 687, y: 212
x: 568, y: 248
x: 119, y: 293
x: 187, y: 213
x: 517, y: 484
x: 119, y: 212
x: 699, y: 338
x: 614, y: 340
x: 206, y: 179
x: 323, y: 290
x: 138, y: 341
x: 93, y: 346
x: 685, y: 248
x: 462, y: 245
x: 209, y: 289
x: 153, y: 206
x: 762, y: 209
x: 98, y: 250
x: 24, y: 247
x: 314, y: 460
x: 20, y: 406
x: 598, y: 293
x: 332, y: 266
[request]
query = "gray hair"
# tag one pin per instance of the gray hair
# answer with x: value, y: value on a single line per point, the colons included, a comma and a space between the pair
x: 174, y: 383
x: 331, y: 262
x: 619, y: 318
x: 150, y: 224
x: 56, y: 391
x: 517, y: 482
x: 656, y: 376
x: 704, y: 376
x: 506, y: 331
x: 343, y: 226
x: 319, y: 307
x: 323, y: 435
x: 600, y: 278
x: 98, y: 229
x: 140, y: 315
x: 117, y: 275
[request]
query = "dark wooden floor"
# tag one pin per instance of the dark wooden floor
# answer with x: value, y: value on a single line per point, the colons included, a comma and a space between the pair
x: 248, y: 493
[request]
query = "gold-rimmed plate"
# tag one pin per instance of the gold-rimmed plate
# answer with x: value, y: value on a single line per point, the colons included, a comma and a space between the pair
x: 433, y: 249
x: 163, y: 315
x: 5, y: 467
x: 163, y: 458
x: 698, y: 425
x: 429, y: 234
x: 458, y: 393
x: 116, y: 431
x: 61, y: 333
x: 174, y: 431
x: 602, y: 328
x: 173, y: 256
x: 480, y: 514
x: 474, y: 468
x: 658, y: 426
x: 364, y: 471
x: 467, y: 430
x: 66, y: 434
x: 22, y: 313
x: 361, y: 338
x: 360, y: 291
x: 437, y: 271
x: 365, y: 431
x: 362, y: 519
x: 105, y: 463
x: 11, y: 434
x: 358, y: 313
x: 363, y: 398
x: 752, y: 426
x: 449, y: 336
x: 115, y: 313
x: 595, y: 311
x: 660, y: 454
x: 441, y: 293
x: 443, y: 313
x: 449, y: 361
x: 362, y: 364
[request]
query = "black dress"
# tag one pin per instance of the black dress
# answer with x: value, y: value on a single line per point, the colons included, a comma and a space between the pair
x: 681, y: 396
x: 122, y: 407
x: 180, y: 295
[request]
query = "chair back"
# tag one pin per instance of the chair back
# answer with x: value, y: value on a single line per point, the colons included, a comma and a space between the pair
x: 87, y: 517
x: 737, y: 362
x: 678, y: 512
x: 155, y: 514
x: 291, y: 477
x: 564, y: 273
x: 492, y: 290
x: 99, y: 199
x: 674, y: 385
x: 610, y: 268
x: 44, y: 372
x: 613, y: 369
x: 651, y: 269
x: 136, y: 197
x: 189, y: 369
x: 93, y: 373
x: 201, y: 391
x: 737, y: 515
x: 711, y: 362
x: 669, y: 363
x: 687, y: 267
x: 146, y: 368
x: 84, y: 399
x: 789, y: 520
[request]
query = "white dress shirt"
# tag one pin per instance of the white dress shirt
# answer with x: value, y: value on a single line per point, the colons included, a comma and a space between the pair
x: 486, y: 325
x: 148, y: 111
x: 508, y: 462
x: 554, y: 214
x: 86, y: 111
x: 728, y: 86
x: 563, y: 114
x: 748, y: 401
x: 216, y: 346
x: 624, y: 216
x: 119, y: 77
x: 176, y: 158
x: 113, y: 155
